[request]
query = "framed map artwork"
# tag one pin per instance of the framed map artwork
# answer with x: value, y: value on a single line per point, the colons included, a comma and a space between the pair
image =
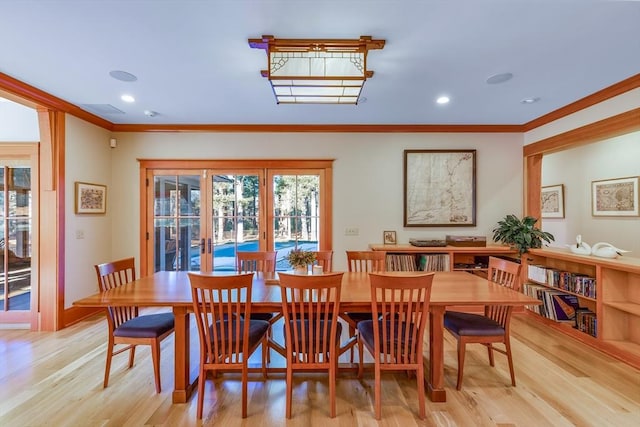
x: 439, y: 188
x: 552, y: 201
x: 91, y: 198
x: 615, y: 197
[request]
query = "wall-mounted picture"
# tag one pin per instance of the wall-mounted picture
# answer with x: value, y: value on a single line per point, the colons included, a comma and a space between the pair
x: 615, y: 197
x: 439, y: 188
x: 91, y: 198
x: 389, y: 238
x: 552, y: 201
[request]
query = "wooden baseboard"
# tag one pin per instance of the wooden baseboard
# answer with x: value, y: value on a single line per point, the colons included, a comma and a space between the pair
x: 75, y: 314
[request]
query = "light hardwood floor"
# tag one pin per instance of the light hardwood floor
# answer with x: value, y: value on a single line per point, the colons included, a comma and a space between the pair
x: 55, y: 379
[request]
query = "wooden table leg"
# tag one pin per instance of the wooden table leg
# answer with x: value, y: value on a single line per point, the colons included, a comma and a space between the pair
x: 183, y: 388
x: 435, y: 384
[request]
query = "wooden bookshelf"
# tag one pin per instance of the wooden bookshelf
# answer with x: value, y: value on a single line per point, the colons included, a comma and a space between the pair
x: 616, y: 303
x: 461, y: 258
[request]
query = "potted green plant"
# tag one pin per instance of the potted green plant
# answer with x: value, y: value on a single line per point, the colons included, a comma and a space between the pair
x: 521, y: 234
x: 300, y: 260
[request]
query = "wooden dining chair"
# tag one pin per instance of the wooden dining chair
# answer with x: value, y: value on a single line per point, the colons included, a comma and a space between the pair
x: 400, y: 307
x: 221, y: 304
x: 363, y: 261
x: 325, y: 260
x: 310, y: 306
x: 126, y: 325
x: 490, y: 328
x: 255, y: 262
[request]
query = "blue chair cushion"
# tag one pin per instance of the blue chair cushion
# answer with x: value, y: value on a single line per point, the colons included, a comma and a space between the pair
x: 471, y: 324
x: 146, y: 326
x: 310, y: 327
x: 257, y: 330
x: 365, y: 329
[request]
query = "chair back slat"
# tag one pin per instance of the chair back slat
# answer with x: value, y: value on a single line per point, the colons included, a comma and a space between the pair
x: 310, y: 309
x: 401, y: 303
x: 259, y: 261
x: 112, y: 275
x: 325, y: 260
x: 367, y: 261
x: 505, y: 273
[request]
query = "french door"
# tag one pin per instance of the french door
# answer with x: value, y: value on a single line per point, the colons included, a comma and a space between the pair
x: 18, y: 184
x: 197, y: 220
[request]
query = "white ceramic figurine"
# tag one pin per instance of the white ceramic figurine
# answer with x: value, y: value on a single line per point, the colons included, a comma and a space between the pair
x: 580, y: 248
x: 606, y: 250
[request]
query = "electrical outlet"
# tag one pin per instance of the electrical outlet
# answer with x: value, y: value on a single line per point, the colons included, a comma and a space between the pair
x: 79, y: 234
x: 351, y: 231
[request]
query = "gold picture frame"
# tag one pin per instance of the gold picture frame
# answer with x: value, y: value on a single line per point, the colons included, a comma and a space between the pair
x: 90, y: 198
x: 615, y: 197
x: 389, y: 238
x: 552, y: 201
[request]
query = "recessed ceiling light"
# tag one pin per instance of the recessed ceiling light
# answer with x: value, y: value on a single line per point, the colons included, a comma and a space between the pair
x: 443, y: 100
x: 123, y: 76
x: 499, y: 78
x: 150, y: 113
x: 128, y: 98
x: 530, y: 100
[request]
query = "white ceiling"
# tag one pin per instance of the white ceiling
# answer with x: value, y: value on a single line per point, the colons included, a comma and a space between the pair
x: 194, y: 65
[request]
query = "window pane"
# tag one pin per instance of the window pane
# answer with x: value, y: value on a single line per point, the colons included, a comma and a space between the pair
x: 19, y: 258
x: 236, y: 222
x: 166, y: 244
x: 188, y: 257
x: 177, y: 241
x: 296, y: 214
x: 165, y: 193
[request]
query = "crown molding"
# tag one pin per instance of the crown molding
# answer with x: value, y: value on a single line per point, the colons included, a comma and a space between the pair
x: 347, y: 128
x: 619, y: 88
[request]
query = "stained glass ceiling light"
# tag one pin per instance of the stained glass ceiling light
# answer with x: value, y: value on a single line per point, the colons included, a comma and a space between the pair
x: 307, y: 71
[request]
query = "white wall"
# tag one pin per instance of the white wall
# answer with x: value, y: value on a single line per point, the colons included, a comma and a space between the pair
x: 18, y: 123
x: 368, y: 176
x: 88, y: 159
x: 576, y: 168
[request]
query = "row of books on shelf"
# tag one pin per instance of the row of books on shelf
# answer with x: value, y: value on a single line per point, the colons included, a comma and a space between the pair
x: 574, y: 282
x: 424, y: 262
x: 399, y: 262
x: 433, y: 262
x: 586, y: 321
x: 561, y: 307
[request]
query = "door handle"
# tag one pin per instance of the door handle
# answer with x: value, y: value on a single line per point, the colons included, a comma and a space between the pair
x: 202, y: 245
x: 209, y: 244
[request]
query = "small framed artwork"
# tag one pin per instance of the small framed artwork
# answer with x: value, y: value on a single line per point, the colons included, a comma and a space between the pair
x: 615, y: 197
x: 389, y: 238
x: 552, y: 201
x: 91, y: 198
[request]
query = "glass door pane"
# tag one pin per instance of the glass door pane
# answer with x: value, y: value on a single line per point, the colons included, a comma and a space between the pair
x: 296, y: 214
x: 176, y: 222
x: 15, y: 238
x: 235, y: 216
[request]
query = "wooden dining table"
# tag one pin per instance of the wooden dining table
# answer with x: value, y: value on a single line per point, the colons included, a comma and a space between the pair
x: 172, y: 289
